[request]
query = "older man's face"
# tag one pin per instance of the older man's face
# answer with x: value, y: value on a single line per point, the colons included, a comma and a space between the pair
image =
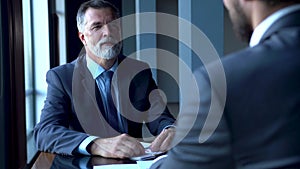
x: 102, y: 33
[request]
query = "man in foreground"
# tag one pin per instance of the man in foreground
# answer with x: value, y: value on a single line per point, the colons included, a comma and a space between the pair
x: 260, y: 123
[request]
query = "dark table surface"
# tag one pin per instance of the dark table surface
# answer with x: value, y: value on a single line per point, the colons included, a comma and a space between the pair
x: 55, y: 161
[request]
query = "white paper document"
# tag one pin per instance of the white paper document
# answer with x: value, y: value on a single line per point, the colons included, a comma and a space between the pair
x: 118, y: 166
x: 149, y: 155
x: 139, y: 165
x: 140, y: 160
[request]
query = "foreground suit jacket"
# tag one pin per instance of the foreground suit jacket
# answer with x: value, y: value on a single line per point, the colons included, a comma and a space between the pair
x: 260, y: 126
x: 73, y: 106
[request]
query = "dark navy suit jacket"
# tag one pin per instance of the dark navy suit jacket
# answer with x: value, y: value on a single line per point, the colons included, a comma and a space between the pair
x: 260, y: 124
x: 73, y: 106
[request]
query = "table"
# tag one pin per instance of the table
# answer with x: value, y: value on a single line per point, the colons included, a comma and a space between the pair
x: 50, y: 160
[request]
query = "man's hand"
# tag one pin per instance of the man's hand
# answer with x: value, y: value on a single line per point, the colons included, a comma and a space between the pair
x: 122, y: 146
x: 163, y: 141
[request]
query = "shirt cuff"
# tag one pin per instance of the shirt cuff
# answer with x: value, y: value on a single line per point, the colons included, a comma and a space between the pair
x: 169, y: 126
x: 85, y: 143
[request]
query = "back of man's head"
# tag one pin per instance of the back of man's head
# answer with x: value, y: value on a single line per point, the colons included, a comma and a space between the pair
x: 273, y: 3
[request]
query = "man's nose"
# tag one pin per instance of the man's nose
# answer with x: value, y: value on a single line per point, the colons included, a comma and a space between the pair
x: 106, y: 30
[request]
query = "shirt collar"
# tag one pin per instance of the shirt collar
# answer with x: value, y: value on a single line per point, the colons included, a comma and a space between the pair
x: 262, y: 28
x: 96, y: 69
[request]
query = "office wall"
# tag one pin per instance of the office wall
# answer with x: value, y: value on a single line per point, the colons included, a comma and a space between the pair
x: 165, y: 81
x: 208, y: 17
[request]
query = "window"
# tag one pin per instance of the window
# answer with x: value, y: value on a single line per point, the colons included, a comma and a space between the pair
x: 36, y: 64
x: 37, y: 19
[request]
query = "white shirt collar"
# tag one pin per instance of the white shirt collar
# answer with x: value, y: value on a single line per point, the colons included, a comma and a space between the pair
x: 261, y: 29
x: 96, y: 69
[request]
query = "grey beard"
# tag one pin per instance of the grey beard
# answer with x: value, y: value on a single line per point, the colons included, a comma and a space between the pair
x: 107, y: 53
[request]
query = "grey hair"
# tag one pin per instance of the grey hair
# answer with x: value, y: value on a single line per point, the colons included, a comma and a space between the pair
x: 96, y: 4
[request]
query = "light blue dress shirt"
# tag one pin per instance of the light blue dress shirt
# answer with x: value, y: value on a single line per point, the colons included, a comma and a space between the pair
x: 95, y: 70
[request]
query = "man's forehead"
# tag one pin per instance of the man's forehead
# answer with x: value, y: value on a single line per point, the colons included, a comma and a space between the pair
x: 101, y: 15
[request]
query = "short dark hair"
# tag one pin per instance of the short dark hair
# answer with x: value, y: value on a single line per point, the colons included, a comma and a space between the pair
x: 279, y: 2
x: 96, y: 4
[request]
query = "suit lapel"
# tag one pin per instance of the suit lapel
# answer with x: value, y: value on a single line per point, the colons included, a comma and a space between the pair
x: 86, y: 104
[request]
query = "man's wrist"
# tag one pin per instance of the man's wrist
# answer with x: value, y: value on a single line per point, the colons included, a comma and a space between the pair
x: 89, y: 147
x: 83, y: 147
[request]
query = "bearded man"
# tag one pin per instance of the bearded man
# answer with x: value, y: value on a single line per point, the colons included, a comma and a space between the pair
x: 97, y: 104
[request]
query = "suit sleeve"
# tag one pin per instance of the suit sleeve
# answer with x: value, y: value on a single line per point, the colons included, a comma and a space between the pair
x: 52, y: 133
x: 188, y: 152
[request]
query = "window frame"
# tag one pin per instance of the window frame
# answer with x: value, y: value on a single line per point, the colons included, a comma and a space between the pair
x: 13, y: 135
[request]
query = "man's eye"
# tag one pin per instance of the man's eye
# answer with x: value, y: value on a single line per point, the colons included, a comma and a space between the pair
x: 96, y: 27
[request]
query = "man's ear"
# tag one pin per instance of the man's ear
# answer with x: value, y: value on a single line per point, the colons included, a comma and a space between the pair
x: 82, y: 38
